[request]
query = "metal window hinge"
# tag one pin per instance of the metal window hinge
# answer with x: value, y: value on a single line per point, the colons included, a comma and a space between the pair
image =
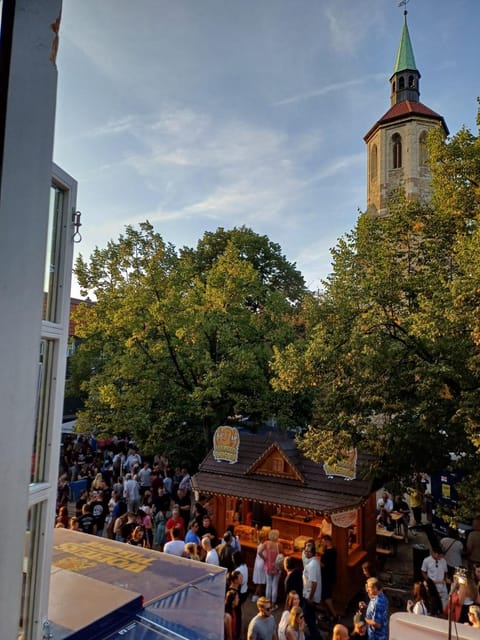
x: 76, y: 226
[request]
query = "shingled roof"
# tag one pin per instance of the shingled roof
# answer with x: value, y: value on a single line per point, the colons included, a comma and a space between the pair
x: 404, y: 110
x: 306, y: 487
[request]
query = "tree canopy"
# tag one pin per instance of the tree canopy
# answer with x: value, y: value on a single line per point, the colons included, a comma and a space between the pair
x: 179, y: 341
x: 393, y: 358
x: 386, y: 357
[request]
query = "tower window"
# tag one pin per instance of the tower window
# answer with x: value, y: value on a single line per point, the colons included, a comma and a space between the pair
x: 411, y: 82
x: 422, y: 149
x: 373, y: 162
x: 401, y: 83
x: 396, y: 151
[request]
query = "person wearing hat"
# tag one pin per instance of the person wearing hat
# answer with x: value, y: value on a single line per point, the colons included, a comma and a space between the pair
x: 359, y: 627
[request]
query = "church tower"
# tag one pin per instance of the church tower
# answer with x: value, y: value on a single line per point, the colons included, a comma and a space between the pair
x: 396, y: 144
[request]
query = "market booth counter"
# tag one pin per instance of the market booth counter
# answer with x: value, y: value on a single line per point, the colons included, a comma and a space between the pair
x: 264, y: 482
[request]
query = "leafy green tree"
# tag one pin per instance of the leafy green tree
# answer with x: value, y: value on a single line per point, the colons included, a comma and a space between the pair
x: 179, y: 341
x: 393, y: 359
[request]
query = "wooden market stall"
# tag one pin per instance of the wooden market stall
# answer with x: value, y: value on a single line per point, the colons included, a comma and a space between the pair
x: 258, y: 482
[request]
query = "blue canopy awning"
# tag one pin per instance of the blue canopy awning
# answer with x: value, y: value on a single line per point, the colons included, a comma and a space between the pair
x: 98, y: 586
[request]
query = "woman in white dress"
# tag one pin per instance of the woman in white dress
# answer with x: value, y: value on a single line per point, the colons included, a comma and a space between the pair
x: 259, y: 577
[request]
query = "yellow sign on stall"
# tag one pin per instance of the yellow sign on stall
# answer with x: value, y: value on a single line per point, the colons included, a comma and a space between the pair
x: 226, y: 441
x: 345, y: 467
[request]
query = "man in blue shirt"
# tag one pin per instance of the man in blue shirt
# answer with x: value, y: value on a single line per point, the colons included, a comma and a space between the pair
x: 192, y: 533
x: 376, y: 616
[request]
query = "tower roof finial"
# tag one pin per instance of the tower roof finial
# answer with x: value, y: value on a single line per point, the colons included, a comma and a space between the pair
x: 403, y: 3
x: 405, y: 58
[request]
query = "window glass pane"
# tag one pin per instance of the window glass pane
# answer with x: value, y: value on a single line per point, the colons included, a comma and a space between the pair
x: 422, y: 149
x: 45, y: 388
x: 1, y: 11
x: 31, y: 565
x: 373, y: 163
x: 53, y: 265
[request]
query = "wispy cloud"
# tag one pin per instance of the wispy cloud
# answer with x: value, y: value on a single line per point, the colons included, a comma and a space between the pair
x: 153, y: 216
x: 114, y: 127
x: 338, y: 165
x: 350, y: 24
x: 246, y: 201
x: 202, y: 167
x: 188, y: 139
x: 223, y: 170
x: 185, y: 138
x: 337, y: 86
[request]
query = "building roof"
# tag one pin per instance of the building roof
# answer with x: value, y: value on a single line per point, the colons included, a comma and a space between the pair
x: 303, y: 484
x: 405, y: 59
x: 405, y: 110
x: 98, y: 585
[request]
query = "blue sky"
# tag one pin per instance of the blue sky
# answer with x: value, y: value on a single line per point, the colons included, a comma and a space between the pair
x: 196, y: 114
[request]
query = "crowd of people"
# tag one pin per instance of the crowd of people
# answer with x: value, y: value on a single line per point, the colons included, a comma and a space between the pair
x: 300, y: 618
x: 139, y: 502
x: 146, y: 503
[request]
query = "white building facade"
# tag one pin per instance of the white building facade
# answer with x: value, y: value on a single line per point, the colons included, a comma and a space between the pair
x: 37, y: 204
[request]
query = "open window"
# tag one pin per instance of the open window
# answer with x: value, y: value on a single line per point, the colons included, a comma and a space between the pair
x: 49, y: 405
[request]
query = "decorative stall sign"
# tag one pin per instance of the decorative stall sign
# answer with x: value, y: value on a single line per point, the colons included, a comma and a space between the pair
x: 344, y: 519
x: 345, y: 467
x: 225, y: 444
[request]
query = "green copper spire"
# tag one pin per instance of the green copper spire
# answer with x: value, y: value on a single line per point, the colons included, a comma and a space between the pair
x: 406, y: 77
x: 405, y: 58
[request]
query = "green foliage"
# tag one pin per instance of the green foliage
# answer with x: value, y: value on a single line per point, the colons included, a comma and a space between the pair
x: 393, y: 358
x: 177, y: 342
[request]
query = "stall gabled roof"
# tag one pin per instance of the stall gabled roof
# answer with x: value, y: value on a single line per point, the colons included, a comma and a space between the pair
x: 317, y: 492
x: 262, y: 466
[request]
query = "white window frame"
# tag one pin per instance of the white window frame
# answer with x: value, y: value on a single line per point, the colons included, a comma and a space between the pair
x: 42, y: 495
